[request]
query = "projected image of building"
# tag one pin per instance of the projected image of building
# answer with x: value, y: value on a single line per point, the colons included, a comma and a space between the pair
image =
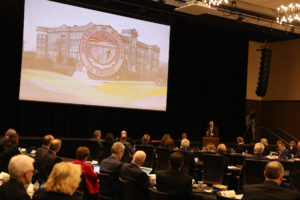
x: 61, y: 44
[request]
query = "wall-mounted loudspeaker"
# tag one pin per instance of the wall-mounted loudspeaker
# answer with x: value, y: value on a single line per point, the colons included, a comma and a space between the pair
x: 264, y: 71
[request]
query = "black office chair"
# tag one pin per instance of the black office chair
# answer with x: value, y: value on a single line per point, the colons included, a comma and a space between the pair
x: 131, y: 190
x: 213, y: 169
x: 253, y: 171
x: 163, y: 155
x: 109, y: 189
x: 107, y: 148
x: 127, y: 156
x: 150, y: 155
x: 157, y: 195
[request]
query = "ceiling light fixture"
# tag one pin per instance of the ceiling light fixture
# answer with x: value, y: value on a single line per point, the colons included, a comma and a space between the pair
x: 287, y: 14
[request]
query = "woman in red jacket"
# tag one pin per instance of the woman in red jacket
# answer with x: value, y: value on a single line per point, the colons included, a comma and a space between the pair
x: 90, y: 176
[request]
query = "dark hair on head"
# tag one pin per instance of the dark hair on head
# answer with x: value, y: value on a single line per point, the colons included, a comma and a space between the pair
x: 273, y: 170
x: 109, y: 136
x: 176, y: 160
x: 170, y: 144
x: 146, y: 138
x: 164, y: 139
x: 47, y: 139
x: 13, y: 139
x: 82, y: 153
x: 10, y: 132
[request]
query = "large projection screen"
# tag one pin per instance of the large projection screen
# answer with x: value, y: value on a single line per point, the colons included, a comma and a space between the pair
x: 82, y: 56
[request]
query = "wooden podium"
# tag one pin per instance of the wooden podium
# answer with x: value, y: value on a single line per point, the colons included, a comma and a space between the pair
x: 212, y: 140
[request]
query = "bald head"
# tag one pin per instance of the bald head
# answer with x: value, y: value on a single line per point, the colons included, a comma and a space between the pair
x: 274, y: 171
x: 139, y: 158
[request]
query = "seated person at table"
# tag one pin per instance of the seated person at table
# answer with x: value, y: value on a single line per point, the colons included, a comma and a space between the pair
x: 282, y: 151
x: 90, y: 176
x: 20, y: 169
x: 183, y: 136
x: 146, y: 139
x: 267, y: 150
x: 185, y: 146
x: 298, y: 150
x: 10, y: 149
x: 109, y: 137
x: 257, y: 152
x: 292, y: 147
x: 61, y: 184
x: 240, y: 147
x: 112, y: 165
x: 44, y: 148
x: 49, y: 159
x: 164, y: 139
x: 170, y: 144
x: 4, y: 139
x: 270, y: 189
x: 138, y: 179
x: 221, y: 149
x: 173, y: 180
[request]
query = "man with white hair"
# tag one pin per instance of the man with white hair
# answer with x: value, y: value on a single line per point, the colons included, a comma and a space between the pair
x: 258, y: 152
x: 20, y: 169
x: 132, y: 173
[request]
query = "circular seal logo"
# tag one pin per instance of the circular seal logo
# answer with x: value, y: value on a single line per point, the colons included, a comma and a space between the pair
x: 101, y: 50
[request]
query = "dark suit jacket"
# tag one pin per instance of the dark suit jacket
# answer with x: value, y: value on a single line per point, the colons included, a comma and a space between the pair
x: 297, y: 153
x: 138, y: 181
x: 39, y: 153
x: 240, y: 148
x: 112, y: 166
x: 215, y: 131
x: 285, y: 153
x: 267, y: 191
x: 174, y: 182
x: 13, y: 190
x: 3, y: 141
x: 47, y: 162
x: 42, y: 194
x: 6, y: 155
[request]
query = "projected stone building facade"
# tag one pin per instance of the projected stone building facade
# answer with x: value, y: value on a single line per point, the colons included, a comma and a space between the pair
x: 62, y: 43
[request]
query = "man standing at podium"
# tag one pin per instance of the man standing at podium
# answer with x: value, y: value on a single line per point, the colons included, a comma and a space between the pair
x: 212, y: 131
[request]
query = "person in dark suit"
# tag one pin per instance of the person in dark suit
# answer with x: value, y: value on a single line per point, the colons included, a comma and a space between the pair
x: 11, y: 149
x: 258, y: 152
x: 100, y: 150
x: 44, y: 148
x: 240, y: 147
x: 267, y: 150
x: 112, y: 166
x: 21, y: 171
x: 173, y: 180
x: 212, y: 131
x: 138, y: 179
x: 4, y: 139
x: 49, y: 159
x: 282, y: 151
x: 270, y: 189
x: 61, y: 184
x: 185, y: 147
x: 293, y: 147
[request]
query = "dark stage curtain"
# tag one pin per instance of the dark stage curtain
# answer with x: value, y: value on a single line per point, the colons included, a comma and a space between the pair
x: 207, y: 81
